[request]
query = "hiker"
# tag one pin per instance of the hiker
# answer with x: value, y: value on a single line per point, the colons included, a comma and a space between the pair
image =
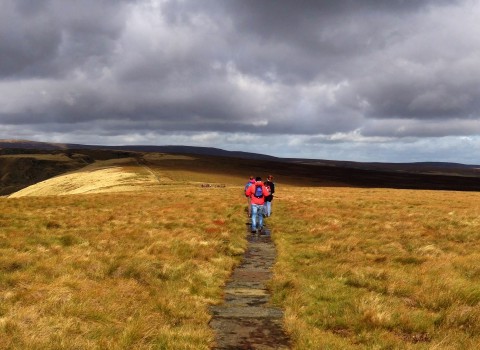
x: 268, y: 199
x: 249, y: 206
x: 257, y: 193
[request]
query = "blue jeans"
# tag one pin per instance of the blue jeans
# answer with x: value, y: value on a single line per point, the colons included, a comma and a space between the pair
x: 257, y: 213
x: 268, y: 208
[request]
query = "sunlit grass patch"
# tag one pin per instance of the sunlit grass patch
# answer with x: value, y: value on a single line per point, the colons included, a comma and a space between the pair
x: 135, y: 270
x: 362, y: 268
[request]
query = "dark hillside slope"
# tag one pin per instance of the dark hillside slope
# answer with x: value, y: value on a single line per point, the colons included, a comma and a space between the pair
x: 21, y: 171
x: 22, y: 167
x: 418, y: 167
x: 317, y: 175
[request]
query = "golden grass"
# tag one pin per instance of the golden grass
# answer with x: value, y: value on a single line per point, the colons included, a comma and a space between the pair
x: 116, y: 271
x: 134, y: 175
x: 357, y: 268
x: 378, y: 269
x: 116, y: 175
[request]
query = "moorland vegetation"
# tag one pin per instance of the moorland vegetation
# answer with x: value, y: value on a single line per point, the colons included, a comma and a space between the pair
x: 136, y: 262
x: 378, y: 268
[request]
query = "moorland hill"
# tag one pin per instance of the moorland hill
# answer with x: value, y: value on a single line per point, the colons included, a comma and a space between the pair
x: 24, y: 163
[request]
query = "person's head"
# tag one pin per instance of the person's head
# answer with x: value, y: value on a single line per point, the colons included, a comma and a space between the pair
x: 251, y: 177
x: 270, y: 178
x: 258, y: 178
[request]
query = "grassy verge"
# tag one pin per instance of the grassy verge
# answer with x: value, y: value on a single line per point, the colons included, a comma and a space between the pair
x: 357, y: 269
x: 378, y: 269
x: 116, y: 271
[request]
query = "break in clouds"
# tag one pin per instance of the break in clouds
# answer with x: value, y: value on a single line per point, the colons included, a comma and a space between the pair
x: 234, y: 73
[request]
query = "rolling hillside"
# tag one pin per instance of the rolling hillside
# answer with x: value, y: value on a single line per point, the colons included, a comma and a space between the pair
x: 23, y: 164
x: 137, y: 261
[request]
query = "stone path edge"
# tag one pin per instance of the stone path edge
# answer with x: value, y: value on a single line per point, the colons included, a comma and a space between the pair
x: 246, y: 319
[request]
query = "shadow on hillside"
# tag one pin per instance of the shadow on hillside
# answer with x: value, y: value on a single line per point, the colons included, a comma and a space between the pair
x: 21, y: 168
x: 312, y: 175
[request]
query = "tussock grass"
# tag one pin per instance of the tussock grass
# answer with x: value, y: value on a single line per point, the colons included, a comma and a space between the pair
x: 116, y: 271
x: 378, y: 269
x: 357, y: 268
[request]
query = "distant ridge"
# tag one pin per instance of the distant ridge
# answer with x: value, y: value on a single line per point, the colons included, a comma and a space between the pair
x: 26, y: 144
x: 443, y: 168
x: 414, y: 167
x: 205, y: 151
x: 25, y: 162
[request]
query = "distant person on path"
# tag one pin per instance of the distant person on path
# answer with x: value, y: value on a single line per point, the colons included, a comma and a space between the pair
x: 268, y: 199
x: 257, y: 193
x: 249, y: 183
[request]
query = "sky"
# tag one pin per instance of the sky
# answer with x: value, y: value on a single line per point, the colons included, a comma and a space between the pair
x: 360, y: 80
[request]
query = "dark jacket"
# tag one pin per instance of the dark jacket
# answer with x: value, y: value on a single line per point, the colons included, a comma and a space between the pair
x: 271, y: 185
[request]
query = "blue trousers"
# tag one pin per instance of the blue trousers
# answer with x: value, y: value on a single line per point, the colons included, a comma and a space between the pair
x: 268, y: 208
x: 257, y: 216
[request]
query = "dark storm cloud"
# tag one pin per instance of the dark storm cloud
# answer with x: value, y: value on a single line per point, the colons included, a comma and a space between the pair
x: 52, y: 37
x: 359, y: 69
x: 393, y: 59
x: 304, y: 40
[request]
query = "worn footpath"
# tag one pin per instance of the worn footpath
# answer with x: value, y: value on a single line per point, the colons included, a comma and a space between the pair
x: 246, y: 320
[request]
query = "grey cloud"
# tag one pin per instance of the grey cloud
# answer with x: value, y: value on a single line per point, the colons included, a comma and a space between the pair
x: 394, y: 69
x: 438, y: 89
x: 25, y: 41
x: 404, y: 128
x: 54, y: 37
x: 319, y: 39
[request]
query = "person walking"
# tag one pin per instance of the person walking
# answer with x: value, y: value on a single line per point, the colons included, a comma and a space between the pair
x: 257, y: 194
x: 249, y: 204
x: 268, y: 199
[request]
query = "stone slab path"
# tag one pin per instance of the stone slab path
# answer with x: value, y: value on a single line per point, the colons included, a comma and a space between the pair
x: 246, y: 320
